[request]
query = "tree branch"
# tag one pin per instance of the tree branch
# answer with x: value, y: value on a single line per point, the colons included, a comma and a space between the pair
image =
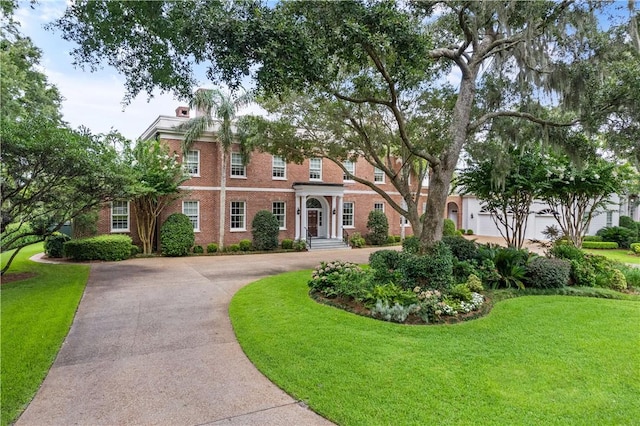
x: 524, y: 115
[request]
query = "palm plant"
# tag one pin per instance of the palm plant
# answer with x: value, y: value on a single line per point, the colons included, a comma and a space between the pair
x: 215, y: 107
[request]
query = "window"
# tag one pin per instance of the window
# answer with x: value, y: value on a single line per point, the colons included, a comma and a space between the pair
x: 351, y: 168
x: 238, y: 216
x: 378, y: 175
x: 278, y: 168
x: 609, y: 219
x: 192, y: 162
x: 379, y: 207
x: 278, y: 208
x: 191, y: 209
x: 238, y: 169
x: 425, y: 180
x: 347, y: 215
x: 315, y: 169
x: 120, y: 216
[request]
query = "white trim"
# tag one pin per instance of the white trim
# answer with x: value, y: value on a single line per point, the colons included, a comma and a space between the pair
x: 119, y: 230
x: 381, y: 203
x: 376, y: 170
x: 273, y: 166
x: 232, y: 188
x: 315, y: 179
x: 231, y: 165
x: 353, y: 215
x: 244, y: 216
x: 284, y: 213
x: 363, y: 192
x: 353, y: 164
x: 197, y: 227
x: 185, y: 163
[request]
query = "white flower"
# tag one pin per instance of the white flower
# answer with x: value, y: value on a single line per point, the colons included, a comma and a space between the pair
x: 597, y: 176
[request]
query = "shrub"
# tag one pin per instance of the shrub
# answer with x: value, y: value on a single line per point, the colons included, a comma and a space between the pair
x: 198, y: 250
x: 543, y: 272
x: 232, y: 248
x: 510, y: 263
x: 176, y: 235
x: 469, y: 231
x: 623, y: 236
x: 632, y: 275
x: 327, y: 277
x: 391, y: 240
x: 462, y: 269
x: 390, y: 293
x: 397, y: 238
x: 474, y: 283
x: 599, y: 245
x: 617, y: 280
x: 245, y: 245
x: 629, y: 223
x: 265, y: 229
x: 565, y: 251
x: 356, y: 240
x: 395, y: 313
x: 54, y: 244
x: 411, y: 245
x: 461, y: 292
x: 432, y: 270
x: 582, y: 273
x: 287, y: 244
x: 448, y: 228
x: 212, y: 248
x: 103, y: 247
x: 300, y: 245
x: 135, y: 250
x: 384, y: 264
x: 378, y: 227
x: 592, y: 238
x: 635, y: 248
x: 461, y: 248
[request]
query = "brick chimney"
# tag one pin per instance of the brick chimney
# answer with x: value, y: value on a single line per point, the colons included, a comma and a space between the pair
x: 182, y: 111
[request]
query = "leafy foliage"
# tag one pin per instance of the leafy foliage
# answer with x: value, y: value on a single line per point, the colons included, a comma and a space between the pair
x: 622, y: 236
x: 385, y: 265
x: 212, y: 248
x: 54, y: 244
x: 448, y: 228
x: 431, y: 270
x: 102, y: 247
x: 543, y: 272
x: 461, y: 248
x: 265, y: 229
x: 378, y: 227
x: 176, y: 235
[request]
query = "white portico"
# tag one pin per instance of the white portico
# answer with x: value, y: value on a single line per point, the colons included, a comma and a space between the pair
x: 318, y: 210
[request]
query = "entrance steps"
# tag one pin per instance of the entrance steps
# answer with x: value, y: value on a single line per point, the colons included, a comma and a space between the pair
x: 328, y: 244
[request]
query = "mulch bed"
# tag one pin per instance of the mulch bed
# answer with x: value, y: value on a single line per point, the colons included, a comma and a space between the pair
x: 358, y: 308
x: 18, y: 276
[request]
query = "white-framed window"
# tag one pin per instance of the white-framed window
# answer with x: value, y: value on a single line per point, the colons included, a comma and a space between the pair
x: 279, y: 210
x: 348, y: 214
x: 424, y: 207
x: 425, y: 180
x: 191, y: 209
x: 378, y: 175
x: 379, y: 207
x: 609, y: 219
x: 238, y: 216
x: 315, y: 169
x: 351, y: 168
x: 278, y: 168
x: 238, y: 169
x: 119, y: 216
x: 192, y: 162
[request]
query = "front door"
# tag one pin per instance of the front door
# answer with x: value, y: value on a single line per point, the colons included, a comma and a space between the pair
x: 312, y: 222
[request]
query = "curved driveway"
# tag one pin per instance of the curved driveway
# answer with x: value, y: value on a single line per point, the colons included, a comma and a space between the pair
x: 152, y: 343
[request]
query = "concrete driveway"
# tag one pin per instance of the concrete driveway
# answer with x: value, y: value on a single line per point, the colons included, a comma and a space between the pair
x: 152, y: 343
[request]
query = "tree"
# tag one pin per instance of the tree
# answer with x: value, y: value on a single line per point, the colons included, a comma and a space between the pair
x: 506, y: 181
x: 213, y: 106
x: 51, y: 174
x: 366, y: 54
x: 155, y: 178
x: 581, y: 190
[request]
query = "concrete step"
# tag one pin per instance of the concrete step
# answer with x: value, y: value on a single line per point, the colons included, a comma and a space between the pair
x: 328, y: 244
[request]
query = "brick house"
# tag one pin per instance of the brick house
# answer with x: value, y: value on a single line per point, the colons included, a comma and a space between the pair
x: 314, y: 198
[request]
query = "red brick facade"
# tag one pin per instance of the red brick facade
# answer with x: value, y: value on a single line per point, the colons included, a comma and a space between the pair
x: 258, y: 189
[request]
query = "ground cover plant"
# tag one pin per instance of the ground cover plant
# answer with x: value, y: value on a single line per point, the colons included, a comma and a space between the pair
x: 37, y: 312
x: 532, y: 360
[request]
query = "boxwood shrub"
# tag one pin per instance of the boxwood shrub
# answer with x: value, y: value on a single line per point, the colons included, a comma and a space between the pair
x: 103, y: 247
x: 198, y: 249
x: 212, y: 248
x: 432, y: 270
x: 599, y: 245
x: 53, y: 245
x: 378, y: 227
x: 264, y: 230
x: 287, y: 244
x: 461, y: 248
x: 635, y: 247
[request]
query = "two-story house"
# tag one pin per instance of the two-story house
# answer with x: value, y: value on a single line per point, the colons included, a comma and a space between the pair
x: 315, y: 198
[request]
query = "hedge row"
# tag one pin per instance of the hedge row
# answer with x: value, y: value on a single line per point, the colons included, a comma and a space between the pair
x: 103, y: 247
x: 599, y: 245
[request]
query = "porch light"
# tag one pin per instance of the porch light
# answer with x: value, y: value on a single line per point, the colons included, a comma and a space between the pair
x: 298, y: 212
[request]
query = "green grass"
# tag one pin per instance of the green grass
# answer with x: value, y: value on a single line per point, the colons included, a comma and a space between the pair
x: 36, y: 316
x: 532, y: 360
x: 620, y: 255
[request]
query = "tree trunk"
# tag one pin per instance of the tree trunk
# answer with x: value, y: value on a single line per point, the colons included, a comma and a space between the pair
x: 442, y: 173
x: 223, y: 196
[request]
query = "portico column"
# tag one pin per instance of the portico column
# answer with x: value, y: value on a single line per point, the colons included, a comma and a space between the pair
x: 340, y: 209
x: 297, y: 217
x: 333, y: 217
x: 303, y: 217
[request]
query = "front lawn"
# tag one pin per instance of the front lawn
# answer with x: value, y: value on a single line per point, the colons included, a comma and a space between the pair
x: 36, y: 315
x: 532, y: 360
x: 620, y: 255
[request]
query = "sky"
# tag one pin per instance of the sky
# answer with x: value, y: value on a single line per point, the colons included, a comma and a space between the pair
x: 91, y: 99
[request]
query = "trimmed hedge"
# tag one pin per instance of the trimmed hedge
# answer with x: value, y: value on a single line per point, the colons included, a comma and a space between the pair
x: 176, y: 235
x: 212, y: 248
x: 378, y: 227
x: 592, y: 238
x: 543, y: 272
x: 599, y: 245
x: 264, y: 230
x: 103, y: 247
